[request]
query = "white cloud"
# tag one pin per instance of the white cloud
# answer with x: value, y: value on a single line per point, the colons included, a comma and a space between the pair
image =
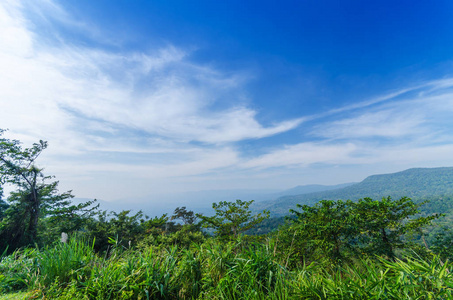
x: 408, y: 132
x: 88, y: 102
x: 122, y: 121
x: 383, y: 123
x: 415, y: 116
x: 303, y: 155
x: 161, y: 93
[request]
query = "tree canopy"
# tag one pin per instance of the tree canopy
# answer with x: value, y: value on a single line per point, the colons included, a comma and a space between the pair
x: 232, y: 218
x: 35, y: 197
x: 340, y: 228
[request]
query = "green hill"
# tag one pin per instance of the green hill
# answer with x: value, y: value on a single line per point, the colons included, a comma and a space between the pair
x: 419, y: 184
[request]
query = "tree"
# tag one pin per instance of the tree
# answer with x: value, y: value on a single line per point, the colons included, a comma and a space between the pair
x: 3, y: 207
x: 181, y: 213
x: 17, y: 168
x: 442, y: 243
x: 384, y: 222
x: 65, y: 217
x: 34, y: 197
x: 328, y: 226
x: 232, y: 218
x: 374, y: 227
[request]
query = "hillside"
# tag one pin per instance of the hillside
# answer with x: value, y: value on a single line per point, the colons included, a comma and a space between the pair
x: 311, y: 188
x: 418, y: 183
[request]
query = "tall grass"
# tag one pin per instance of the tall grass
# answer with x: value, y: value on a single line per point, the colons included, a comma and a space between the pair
x: 64, y: 262
x: 381, y: 279
x: 214, y: 270
x: 15, y: 270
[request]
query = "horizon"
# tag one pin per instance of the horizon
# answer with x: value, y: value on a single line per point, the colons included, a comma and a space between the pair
x: 144, y: 98
x: 202, y: 200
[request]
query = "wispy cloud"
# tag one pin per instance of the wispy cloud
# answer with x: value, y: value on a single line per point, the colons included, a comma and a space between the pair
x: 385, y: 123
x: 131, y: 120
x: 302, y: 155
x: 161, y: 92
x: 424, y: 113
x: 411, y: 127
x: 89, y: 102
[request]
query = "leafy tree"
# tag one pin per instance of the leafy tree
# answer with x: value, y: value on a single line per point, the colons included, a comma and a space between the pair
x: 442, y: 244
x: 157, y: 224
x: 181, y: 213
x: 68, y: 218
x: 18, y: 169
x: 34, y: 198
x: 384, y: 222
x: 123, y: 227
x: 3, y: 207
x: 327, y: 226
x: 232, y: 218
x: 127, y: 227
x: 375, y: 227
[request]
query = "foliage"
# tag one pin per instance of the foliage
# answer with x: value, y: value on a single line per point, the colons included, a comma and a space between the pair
x: 330, y: 250
x: 215, y: 270
x: 419, y: 184
x: 187, y: 217
x: 15, y: 269
x: 64, y: 261
x: 35, y: 198
x: 383, y: 279
x: 443, y: 243
x: 137, y: 229
x: 328, y: 226
x: 289, y: 244
x: 232, y: 218
x: 267, y: 226
x: 68, y: 218
x: 122, y: 226
x: 19, y: 226
x: 338, y: 229
x: 383, y: 223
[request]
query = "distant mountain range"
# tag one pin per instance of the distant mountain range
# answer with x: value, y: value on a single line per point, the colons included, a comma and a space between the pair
x: 201, y: 201
x: 311, y: 188
x: 416, y: 183
x: 419, y: 183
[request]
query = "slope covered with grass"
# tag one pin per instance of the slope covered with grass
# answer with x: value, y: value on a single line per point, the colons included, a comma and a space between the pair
x: 213, y: 270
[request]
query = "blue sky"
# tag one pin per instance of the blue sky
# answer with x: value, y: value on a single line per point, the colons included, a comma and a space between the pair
x: 142, y: 98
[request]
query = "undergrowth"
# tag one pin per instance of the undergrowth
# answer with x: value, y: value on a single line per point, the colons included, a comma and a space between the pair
x: 213, y: 270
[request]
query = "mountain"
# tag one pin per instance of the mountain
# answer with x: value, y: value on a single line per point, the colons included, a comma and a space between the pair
x: 201, y: 201
x: 418, y: 184
x: 312, y: 188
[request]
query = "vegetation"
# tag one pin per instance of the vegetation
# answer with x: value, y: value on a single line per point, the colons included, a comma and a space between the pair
x: 232, y: 218
x: 213, y: 270
x: 364, y: 249
x: 420, y: 184
x: 35, y: 201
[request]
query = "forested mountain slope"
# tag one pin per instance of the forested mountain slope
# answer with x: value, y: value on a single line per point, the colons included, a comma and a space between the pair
x: 419, y: 184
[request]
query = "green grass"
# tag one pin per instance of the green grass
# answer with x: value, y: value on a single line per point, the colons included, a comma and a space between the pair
x: 212, y: 270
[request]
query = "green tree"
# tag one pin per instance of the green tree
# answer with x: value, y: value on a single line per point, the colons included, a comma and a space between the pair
x: 442, y: 243
x: 34, y: 198
x: 18, y: 169
x: 375, y: 227
x: 187, y: 217
x: 3, y: 207
x: 68, y: 218
x: 328, y: 227
x: 232, y: 218
x: 383, y: 223
x: 125, y: 228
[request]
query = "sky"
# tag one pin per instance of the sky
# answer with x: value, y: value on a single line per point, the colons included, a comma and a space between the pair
x: 138, y: 99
